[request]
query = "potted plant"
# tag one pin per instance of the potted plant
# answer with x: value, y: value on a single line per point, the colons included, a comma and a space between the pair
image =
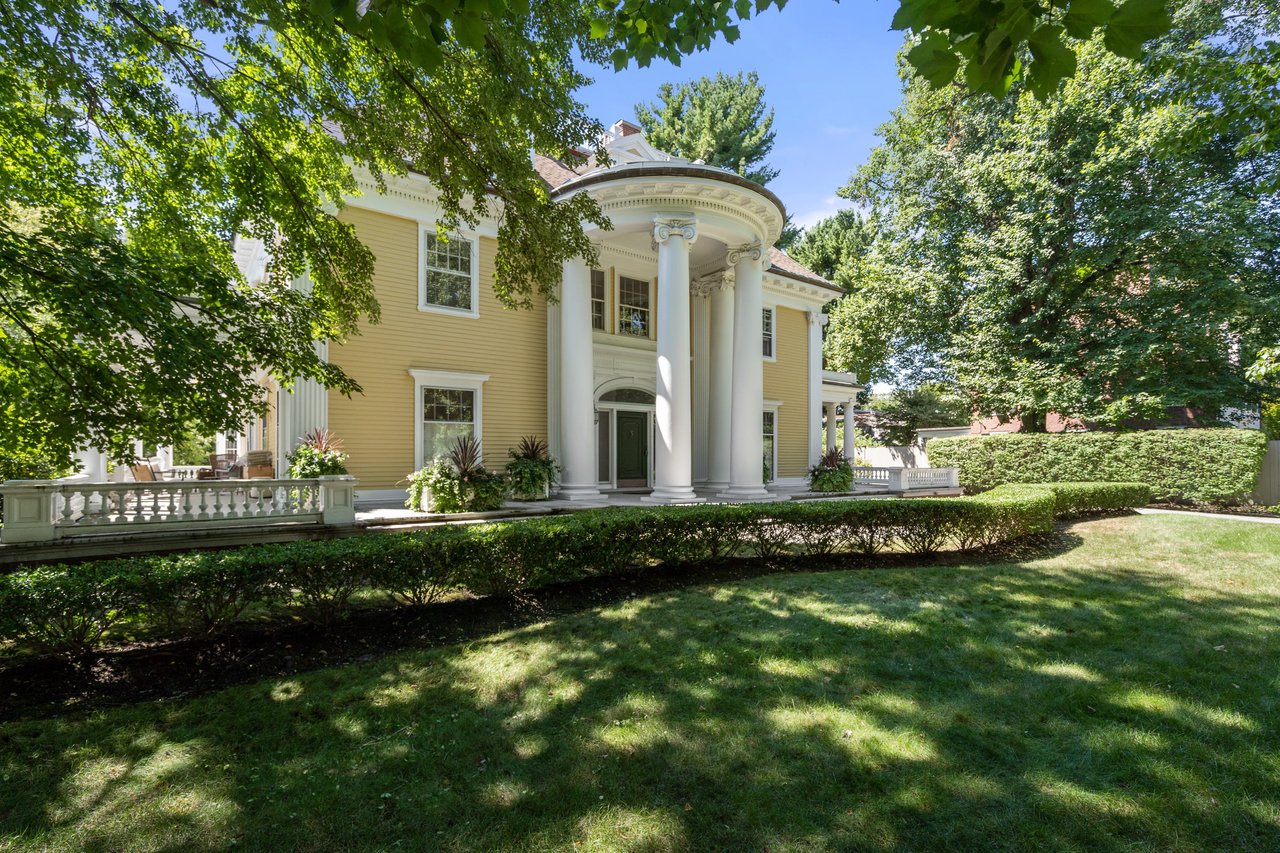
x: 457, y: 483
x: 319, y: 454
x: 833, y: 473
x: 531, y: 470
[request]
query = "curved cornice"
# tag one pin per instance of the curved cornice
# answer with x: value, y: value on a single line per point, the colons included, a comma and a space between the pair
x: 684, y: 185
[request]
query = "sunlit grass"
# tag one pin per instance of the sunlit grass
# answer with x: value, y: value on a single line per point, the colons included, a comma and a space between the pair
x: 1123, y: 694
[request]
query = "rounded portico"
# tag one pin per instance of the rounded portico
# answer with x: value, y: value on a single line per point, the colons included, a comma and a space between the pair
x: 686, y: 257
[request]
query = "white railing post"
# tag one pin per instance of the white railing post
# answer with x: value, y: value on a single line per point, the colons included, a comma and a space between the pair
x: 953, y: 477
x: 338, y: 499
x: 897, y: 479
x: 28, y: 511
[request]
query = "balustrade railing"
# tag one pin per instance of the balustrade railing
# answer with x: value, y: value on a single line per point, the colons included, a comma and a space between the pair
x: 906, y: 479
x: 40, y: 510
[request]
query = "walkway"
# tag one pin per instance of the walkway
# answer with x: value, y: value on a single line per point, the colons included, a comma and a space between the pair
x: 1227, y: 515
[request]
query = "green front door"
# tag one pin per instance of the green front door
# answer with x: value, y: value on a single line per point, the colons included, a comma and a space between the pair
x: 633, y: 449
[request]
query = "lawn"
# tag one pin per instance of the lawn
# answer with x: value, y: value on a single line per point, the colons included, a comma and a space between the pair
x: 1120, y: 692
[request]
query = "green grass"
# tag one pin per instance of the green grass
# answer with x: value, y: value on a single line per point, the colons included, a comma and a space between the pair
x: 1123, y: 694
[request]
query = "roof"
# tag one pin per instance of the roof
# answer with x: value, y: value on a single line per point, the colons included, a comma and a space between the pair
x: 556, y: 174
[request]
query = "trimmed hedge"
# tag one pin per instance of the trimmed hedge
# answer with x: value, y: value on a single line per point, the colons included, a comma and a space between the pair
x: 1198, y: 466
x: 70, y: 607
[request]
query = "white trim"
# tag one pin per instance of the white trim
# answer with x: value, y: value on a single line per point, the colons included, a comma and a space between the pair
x: 381, y: 496
x: 772, y: 355
x: 452, y: 380
x: 429, y: 228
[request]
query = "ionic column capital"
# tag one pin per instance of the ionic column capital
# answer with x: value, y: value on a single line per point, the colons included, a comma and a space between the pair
x: 817, y: 318
x: 666, y: 227
x: 751, y: 251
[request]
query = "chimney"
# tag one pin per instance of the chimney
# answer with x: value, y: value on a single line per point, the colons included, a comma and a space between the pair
x: 622, y: 128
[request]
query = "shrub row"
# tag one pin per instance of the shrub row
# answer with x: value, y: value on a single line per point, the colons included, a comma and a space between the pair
x: 68, y: 608
x: 1199, y: 466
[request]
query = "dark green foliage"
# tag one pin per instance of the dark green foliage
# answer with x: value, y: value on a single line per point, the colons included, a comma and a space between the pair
x: 1199, y: 466
x: 68, y: 608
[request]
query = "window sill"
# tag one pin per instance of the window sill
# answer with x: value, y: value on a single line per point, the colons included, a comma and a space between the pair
x: 448, y: 312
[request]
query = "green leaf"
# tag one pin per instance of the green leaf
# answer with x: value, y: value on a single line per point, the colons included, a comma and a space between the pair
x: 1052, y: 60
x: 1084, y: 16
x: 743, y: 8
x: 1134, y: 24
x: 600, y: 29
x: 934, y: 59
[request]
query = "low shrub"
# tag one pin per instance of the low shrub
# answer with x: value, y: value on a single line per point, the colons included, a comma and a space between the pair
x: 68, y: 608
x: 1198, y: 466
x: 531, y: 471
x: 458, y: 483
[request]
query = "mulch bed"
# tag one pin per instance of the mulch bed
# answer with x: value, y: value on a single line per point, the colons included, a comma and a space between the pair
x: 52, y: 686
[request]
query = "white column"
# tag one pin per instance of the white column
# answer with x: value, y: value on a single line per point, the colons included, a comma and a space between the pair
x: 577, y: 406
x: 720, y: 386
x: 830, y: 409
x: 746, y: 463
x: 850, y: 434
x: 673, y: 415
x: 816, y: 321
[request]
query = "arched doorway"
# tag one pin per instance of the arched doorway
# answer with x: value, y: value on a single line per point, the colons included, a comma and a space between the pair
x: 625, y: 438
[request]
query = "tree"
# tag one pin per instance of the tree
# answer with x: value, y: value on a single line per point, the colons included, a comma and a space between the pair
x: 136, y: 138
x: 1103, y: 252
x: 906, y: 410
x: 835, y: 246
x: 722, y: 121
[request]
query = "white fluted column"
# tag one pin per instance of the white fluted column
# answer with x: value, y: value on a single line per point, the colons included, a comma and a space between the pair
x: 577, y: 408
x: 816, y: 321
x: 850, y: 444
x: 673, y: 408
x: 830, y: 410
x: 720, y: 386
x: 746, y: 453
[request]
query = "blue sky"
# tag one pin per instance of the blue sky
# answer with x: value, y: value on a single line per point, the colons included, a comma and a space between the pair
x: 828, y: 70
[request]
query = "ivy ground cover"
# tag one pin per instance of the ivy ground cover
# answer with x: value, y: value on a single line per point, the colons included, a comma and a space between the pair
x: 1118, y: 691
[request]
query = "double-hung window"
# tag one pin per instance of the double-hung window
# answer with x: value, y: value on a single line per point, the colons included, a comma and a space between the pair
x: 448, y: 273
x: 598, y: 300
x: 768, y: 342
x: 633, y: 307
x: 447, y: 415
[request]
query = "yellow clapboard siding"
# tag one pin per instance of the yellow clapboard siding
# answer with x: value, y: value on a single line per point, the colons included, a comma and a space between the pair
x: 787, y: 381
x: 377, y: 427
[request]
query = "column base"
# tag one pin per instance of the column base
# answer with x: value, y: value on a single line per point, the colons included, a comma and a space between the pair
x: 715, y: 485
x: 747, y: 494
x: 579, y: 493
x: 673, y: 495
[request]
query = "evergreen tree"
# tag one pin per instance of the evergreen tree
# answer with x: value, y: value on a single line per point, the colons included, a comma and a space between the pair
x: 722, y: 121
x: 834, y: 248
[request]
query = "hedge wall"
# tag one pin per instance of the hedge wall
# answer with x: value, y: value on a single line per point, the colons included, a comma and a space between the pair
x: 69, y: 608
x: 1199, y: 466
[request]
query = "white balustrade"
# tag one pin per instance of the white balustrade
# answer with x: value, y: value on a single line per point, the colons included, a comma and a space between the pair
x: 41, y: 510
x: 906, y: 479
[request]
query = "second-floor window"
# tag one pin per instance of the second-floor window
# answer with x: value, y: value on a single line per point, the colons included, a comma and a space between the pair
x: 448, y: 274
x: 768, y: 333
x: 633, y: 307
x: 598, y: 300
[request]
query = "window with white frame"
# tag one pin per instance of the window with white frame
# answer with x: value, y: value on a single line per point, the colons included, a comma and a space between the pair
x: 448, y: 273
x: 770, y: 444
x: 598, y: 290
x: 768, y: 333
x: 447, y: 415
x: 633, y: 307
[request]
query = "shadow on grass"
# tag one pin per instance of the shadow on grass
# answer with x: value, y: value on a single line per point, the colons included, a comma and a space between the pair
x: 51, y: 686
x: 997, y: 706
